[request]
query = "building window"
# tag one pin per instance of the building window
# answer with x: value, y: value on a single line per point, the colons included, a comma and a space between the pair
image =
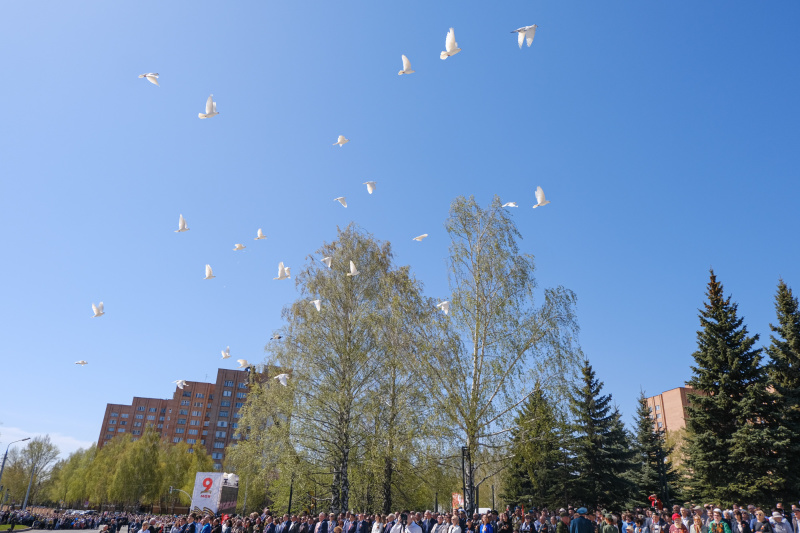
x: 237, y: 415
x: 152, y: 409
x: 217, y: 466
x: 235, y: 425
x: 202, y: 441
x: 198, y: 404
x: 108, y: 436
x: 136, y: 432
x: 216, y: 455
x: 160, y: 426
x: 194, y: 422
x: 182, y: 421
x: 185, y: 403
x: 658, y: 415
x: 140, y: 408
x: 210, y: 397
x: 227, y: 393
x: 205, y: 432
x: 660, y: 425
x: 222, y: 424
x: 235, y: 436
x: 137, y: 424
x: 176, y: 439
x: 241, y: 395
x: 184, y: 412
x: 111, y: 429
x: 112, y: 421
x: 114, y: 414
x: 196, y: 413
x: 658, y: 407
x: 242, y: 385
x: 220, y: 434
x: 219, y: 445
x: 179, y: 430
x: 199, y: 395
x: 224, y: 403
x: 191, y: 441
x: 123, y: 423
x: 120, y: 430
x: 229, y: 383
x: 139, y: 417
x: 190, y: 450
x: 134, y: 439
x: 205, y: 424
x: 164, y: 410
x: 192, y: 432
x: 160, y: 418
x: 124, y: 415
x: 151, y: 417
x: 239, y: 405
x: 223, y: 414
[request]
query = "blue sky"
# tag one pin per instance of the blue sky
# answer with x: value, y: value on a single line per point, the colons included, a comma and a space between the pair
x: 664, y: 134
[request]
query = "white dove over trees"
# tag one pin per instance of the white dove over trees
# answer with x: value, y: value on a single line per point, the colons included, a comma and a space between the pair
x: 451, y: 46
x: 526, y: 32
x: 342, y: 200
x: 180, y: 383
x: 283, y: 379
x: 326, y: 261
x: 226, y: 353
x: 444, y: 306
x: 209, y: 273
x: 317, y: 304
x: 259, y: 235
x: 406, y: 67
x: 370, y: 186
x: 152, y: 77
x: 540, y: 200
x: 211, y: 108
x: 510, y: 204
x: 341, y: 141
x: 81, y: 362
x: 283, y: 272
x: 237, y: 247
x: 181, y: 225
x: 98, y: 310
x: 243, y: 363
x: 419, y: 238
x: 353, y: 270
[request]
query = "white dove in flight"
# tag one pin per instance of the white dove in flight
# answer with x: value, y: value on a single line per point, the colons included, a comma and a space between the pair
x: 342, y: 200
x: 81, y: 362
x: 370, y: 186
x: 226, y: 353
x: 540, y: 200
x: 444, y: 306
x: 152, y: 77
x: 510, y: 204
x: 209, y: 273
x: 353, y: 270
x: 243, y: 363
x: 526, y: 32
x: 181, y: 225
x: 180, y: 383
x: 341, y: 141
x: 326, y: 261
x: 450, y: 44
x: 283, y: 379
x: 211, y: 108
x: 98, y: 310
x: 259, y: 235
x: 283, y: 272
x: 237, y: 247
x: 419, y: 238
x: 317, y: 304
x: 406, y: 67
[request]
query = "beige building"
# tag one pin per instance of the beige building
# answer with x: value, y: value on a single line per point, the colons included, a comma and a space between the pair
x: 668, y: 409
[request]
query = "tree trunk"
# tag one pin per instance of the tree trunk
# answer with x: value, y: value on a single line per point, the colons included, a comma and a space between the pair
x: 388, y: 470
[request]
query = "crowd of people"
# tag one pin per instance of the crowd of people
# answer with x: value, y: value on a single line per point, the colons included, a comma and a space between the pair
x: 680, y: 519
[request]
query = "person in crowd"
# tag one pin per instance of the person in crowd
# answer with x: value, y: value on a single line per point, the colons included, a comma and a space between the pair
x: 697, y: 525
x: 455, y: 524
x: 639, y: 525
x: 718, y: 525
x: 608, y: 524
x: 779, y: 525
x: 677, y: 524
x: 504, y: 524
x: 581, y: 524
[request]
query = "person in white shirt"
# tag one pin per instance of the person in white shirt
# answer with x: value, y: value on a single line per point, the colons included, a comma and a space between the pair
x: 454, y: 527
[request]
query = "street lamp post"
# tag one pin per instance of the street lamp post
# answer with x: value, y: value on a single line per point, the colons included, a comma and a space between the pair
x: 6, y: 455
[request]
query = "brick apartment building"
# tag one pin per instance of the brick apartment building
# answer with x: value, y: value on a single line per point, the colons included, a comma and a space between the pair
x: 202, y: 414
x: 668, y: 409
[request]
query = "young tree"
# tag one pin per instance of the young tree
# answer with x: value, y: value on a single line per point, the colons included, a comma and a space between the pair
x: 731, y: 425
x: 499, y: 341
x: 784, y: 374
x: 653, y: 472
x: 600, y: 446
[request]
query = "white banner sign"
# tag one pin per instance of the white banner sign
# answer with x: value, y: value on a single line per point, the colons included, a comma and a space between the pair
x: 207, y: 491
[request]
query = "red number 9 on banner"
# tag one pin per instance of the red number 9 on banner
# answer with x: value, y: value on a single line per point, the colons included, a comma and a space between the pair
x: 207, y: 482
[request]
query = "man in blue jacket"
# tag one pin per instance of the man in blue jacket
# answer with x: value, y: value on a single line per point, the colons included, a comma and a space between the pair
x: 581, y: 524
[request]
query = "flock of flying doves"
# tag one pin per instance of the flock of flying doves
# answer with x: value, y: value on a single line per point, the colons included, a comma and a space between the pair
x: 526, y: 33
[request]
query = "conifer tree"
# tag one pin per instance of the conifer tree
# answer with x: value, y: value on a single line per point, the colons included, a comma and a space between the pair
x: 784, y: 373
x: 601, y: 449
x: 731, y: 430
x: 651, y: 456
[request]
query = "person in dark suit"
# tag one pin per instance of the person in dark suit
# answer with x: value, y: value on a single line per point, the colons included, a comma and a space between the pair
x: 322, y: 525
x: 390, y: 521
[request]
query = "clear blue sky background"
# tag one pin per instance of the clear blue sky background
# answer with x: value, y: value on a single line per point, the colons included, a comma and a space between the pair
x: 664, y: 133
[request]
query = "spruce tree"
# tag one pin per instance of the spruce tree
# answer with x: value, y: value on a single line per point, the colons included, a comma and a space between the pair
x: 602, y: 456
x: 784, y: 374
x: 731, y: 428
x: 532, y: 476
x: 651, y: 457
